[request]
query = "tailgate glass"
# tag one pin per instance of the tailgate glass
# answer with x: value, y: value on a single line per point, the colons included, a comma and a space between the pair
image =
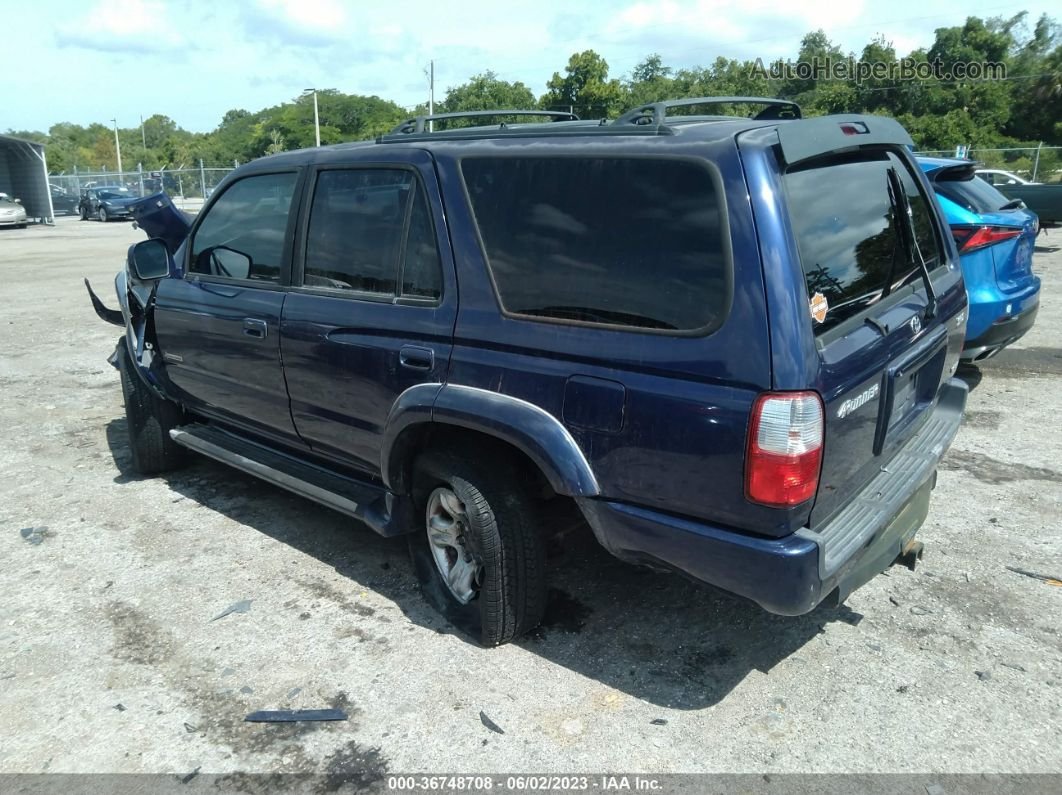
x: 851, y: 247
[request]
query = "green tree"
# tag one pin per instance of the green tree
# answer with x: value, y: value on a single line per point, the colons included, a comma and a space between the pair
x: 585, y: 88
x: 486, y: 92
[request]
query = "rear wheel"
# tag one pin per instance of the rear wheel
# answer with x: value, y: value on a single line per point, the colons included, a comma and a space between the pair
x: 149, y: 420
x: 82, y: 213
x: 479, y: 555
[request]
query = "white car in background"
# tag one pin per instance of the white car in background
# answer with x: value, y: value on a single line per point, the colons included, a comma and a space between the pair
x: 995, y: 176
x: 12, y: 213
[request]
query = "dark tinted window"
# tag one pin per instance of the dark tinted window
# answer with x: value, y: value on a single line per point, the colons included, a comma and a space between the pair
x: 970, y: 192
x: 421, y: 272
x: 242, y: 235
x: 357, y: 234
x: 848, y: 234
x: 632, y: 242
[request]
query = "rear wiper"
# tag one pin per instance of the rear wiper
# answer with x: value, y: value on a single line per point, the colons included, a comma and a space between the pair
x: 1017, y: 204
x: 913, y: 248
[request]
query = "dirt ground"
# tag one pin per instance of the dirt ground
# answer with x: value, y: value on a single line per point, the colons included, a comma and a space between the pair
x: 113, y: 657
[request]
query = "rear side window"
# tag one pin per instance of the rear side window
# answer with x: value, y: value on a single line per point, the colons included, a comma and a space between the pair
x: 970, y: 192
x: 634, y: 242
x: 370, y: 231
x: 848, y: 232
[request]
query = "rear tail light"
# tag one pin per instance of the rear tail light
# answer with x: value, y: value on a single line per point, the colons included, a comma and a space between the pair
x: 970, y: 238
x: 785, y: 449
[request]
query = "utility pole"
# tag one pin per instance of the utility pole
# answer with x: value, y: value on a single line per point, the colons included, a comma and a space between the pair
x: 117, y: 148
x: 316, y: 117
x: 431, y: 94
x: 143, y: 137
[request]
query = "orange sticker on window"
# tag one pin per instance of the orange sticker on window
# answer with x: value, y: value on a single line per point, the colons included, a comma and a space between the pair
x: 819, y: 307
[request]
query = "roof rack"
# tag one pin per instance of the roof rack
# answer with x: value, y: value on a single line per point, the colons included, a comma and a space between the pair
x: 419, y: 124
x: 656, y: 113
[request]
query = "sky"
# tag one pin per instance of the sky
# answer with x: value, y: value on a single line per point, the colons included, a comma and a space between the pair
x: 92, y: 61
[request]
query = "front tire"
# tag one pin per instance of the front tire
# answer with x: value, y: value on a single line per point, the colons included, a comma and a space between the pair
x: 478, y: 552
x: 149, y: 420
x: 102, y: 214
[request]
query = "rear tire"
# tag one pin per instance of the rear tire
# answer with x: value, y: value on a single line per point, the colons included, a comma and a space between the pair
x: 82, y: 213
x: 483, y: 519
x: 149, y: 420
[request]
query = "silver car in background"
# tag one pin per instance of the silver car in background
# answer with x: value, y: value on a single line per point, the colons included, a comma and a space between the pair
x: 11, y: 212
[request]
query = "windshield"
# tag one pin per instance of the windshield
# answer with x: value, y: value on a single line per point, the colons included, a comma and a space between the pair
x: 115, y: 194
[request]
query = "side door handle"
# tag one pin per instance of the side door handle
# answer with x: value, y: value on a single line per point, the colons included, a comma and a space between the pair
x: 253, y: 327
x: 413, y: 357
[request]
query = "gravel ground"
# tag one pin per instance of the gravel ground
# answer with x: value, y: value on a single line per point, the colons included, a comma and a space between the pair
x: 111, y: 659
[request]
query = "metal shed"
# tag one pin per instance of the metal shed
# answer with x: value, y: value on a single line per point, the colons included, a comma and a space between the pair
x: 24, y: 175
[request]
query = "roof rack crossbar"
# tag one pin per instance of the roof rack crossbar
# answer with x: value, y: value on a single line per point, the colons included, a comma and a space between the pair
x: 419, y: 124
x: 655, y: 113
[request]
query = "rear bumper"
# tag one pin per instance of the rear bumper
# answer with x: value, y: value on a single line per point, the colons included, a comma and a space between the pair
x: 1002, y: 332
x: 792, y: 575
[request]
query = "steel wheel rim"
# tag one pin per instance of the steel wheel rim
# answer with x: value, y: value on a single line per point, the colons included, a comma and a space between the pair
x: 447, y: 525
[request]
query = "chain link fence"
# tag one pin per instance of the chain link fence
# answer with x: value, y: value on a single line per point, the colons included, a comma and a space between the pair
x: 188, y: 187
x: 1034, y: 163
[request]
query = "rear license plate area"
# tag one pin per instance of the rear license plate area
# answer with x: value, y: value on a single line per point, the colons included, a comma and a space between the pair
x: 910, y: 388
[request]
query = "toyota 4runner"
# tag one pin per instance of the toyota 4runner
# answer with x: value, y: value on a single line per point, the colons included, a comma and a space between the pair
x: 729, y: 341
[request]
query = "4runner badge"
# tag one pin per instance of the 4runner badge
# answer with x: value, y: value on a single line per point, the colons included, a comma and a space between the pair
x: 852, y: 404
x: 819, y: 307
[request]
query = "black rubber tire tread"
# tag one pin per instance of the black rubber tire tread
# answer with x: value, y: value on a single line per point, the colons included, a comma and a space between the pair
x: 149, y: 420
x: 502, y: 512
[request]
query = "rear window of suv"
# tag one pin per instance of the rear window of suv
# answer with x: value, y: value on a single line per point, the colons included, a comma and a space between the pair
x: 971, y: 192
x: 629, y: 242
x: 849, y: 240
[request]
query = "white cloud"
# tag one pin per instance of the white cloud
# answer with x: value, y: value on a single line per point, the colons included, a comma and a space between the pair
x: 129, y: 26
x: 721, y: 22
x: 324, y: 19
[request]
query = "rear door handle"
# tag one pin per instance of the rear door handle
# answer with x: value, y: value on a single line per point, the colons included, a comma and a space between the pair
x: 413, y: 357
x: 253, y: 327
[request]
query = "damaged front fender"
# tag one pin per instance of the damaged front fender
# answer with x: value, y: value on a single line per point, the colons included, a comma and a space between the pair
x: 112, y: 316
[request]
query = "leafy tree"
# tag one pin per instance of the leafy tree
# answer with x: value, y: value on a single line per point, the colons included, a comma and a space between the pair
x: 585, y: 88
x: 486, y: 92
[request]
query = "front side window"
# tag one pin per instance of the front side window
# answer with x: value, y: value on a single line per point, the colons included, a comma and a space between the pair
x: 633, y: 242
x: 848, y: 232
x: 242, y: 235
x: 370, y: 231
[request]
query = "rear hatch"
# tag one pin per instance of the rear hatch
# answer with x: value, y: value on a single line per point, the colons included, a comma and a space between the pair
x: 884, y: 306
x: 997, y: 223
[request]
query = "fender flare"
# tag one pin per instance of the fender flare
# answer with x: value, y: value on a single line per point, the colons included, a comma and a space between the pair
x: 525, y: 426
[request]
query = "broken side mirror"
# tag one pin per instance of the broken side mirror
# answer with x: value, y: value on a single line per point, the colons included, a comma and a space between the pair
x: 149, y: 259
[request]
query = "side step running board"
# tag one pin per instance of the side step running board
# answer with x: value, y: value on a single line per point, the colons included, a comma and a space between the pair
x: 383, y: 511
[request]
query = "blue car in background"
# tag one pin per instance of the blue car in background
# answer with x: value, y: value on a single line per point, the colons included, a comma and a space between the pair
x: 995, y: 237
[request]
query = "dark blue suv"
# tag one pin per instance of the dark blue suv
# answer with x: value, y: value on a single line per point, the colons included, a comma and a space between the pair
x: 727, y: 341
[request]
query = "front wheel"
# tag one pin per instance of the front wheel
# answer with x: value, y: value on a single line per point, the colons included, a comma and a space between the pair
x: 149, y: 420
x: 102, y: 214
x: 479, y: 554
